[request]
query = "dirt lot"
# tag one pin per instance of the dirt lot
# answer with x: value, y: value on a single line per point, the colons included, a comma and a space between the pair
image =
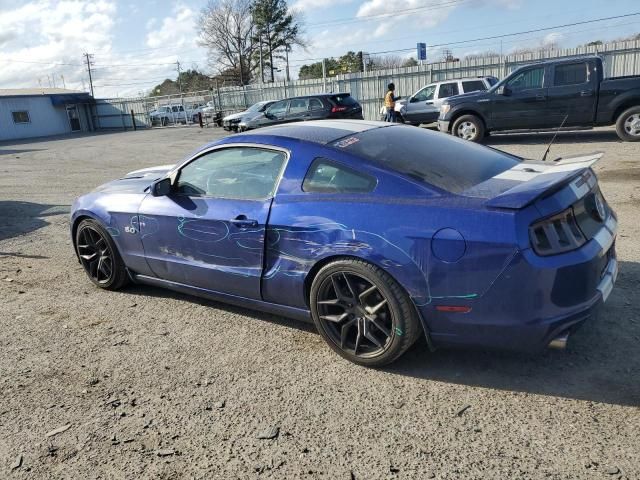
x: 158, y: 385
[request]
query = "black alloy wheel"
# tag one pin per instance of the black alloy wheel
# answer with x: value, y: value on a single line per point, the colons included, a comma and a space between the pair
x: 99, y: 257
x: 363, y: 313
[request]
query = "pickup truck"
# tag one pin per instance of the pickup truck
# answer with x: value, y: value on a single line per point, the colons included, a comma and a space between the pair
x: 567, y: 93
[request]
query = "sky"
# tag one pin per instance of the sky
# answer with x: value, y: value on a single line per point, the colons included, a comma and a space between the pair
x: 135, y: 44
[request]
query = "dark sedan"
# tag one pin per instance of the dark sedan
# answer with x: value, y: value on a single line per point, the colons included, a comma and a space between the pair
x: 311, y: 107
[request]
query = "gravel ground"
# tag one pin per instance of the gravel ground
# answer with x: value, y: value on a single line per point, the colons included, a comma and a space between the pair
x: 153, y: 384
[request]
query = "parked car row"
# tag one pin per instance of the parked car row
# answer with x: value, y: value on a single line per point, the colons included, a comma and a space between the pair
x: 295, y: 109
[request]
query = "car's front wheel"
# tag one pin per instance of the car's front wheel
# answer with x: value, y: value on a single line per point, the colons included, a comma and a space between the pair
x: 628, y: 125
x: 363, y: 313
x: 99, y: 256
x: 468, y: 127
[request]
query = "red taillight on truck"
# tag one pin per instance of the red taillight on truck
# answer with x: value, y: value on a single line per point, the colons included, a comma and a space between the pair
x: 557, y: 234
x: 338, y: 109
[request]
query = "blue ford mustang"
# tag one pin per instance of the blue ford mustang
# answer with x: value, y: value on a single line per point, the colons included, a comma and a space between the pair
x: 378, y: 232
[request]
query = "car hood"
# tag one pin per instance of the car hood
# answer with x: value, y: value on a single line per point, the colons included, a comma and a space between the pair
x: 136, y: 181
x: 233, y: 116
x: 466, y: 97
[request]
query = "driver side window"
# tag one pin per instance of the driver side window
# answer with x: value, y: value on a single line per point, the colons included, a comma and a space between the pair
x: 237, y: 172
x: 425, y: 94
x: 278, y: 108
x: 532, y: 78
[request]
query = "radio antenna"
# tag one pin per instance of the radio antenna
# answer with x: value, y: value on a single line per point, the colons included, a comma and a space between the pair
x: 544, y: 157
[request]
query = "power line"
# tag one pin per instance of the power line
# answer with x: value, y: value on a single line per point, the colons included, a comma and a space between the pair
x: 395, y: 13
x: 460, y: 42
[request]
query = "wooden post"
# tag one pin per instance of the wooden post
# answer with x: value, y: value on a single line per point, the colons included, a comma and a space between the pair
x: 133, y: 120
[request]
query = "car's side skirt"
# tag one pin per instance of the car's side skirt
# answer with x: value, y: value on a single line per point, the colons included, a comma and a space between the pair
x: 291, y: 312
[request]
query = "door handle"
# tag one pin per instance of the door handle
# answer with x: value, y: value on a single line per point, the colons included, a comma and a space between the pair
x: 242, y: 221
x: 541, y: 97
x: 586, y: 93
x: 429, y: 102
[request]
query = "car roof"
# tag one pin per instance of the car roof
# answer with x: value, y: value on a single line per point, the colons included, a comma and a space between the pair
x: 317, y: 131
x: 482, y: 77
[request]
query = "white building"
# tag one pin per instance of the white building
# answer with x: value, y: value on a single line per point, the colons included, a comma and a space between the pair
x: 38, y: 112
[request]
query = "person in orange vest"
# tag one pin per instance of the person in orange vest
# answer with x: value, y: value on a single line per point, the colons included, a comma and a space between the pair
x: 390, y: 103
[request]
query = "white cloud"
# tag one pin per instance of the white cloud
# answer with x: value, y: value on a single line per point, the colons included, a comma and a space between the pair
x: 42, y: 40
x: 177, y: 29
x: 552, y: 39
x: 46, y: 34
x: 305, y: 5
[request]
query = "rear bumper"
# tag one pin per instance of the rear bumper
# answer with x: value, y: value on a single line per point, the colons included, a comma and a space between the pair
x: 531, y: 303
x: 443, y: 125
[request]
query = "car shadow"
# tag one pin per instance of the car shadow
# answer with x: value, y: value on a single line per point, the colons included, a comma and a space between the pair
x: 601, y: 363
x: 18, y: 218
x: 158, y: 292
x: 17, y: 152
x: 543, y: 138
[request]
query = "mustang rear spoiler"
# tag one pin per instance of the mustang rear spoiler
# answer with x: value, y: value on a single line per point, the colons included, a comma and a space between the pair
x: 539, y: 179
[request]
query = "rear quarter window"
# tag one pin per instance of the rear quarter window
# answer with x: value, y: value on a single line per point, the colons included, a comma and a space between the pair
x: 344, y: 99
x: 326, y: 176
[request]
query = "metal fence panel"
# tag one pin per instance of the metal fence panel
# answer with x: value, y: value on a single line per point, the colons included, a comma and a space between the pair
x: 621, y: 58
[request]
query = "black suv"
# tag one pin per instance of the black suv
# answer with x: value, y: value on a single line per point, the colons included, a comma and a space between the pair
x: 309, y: 107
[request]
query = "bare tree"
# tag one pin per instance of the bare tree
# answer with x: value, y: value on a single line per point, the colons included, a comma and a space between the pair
x: 388, y: 61
x: 225, y: 30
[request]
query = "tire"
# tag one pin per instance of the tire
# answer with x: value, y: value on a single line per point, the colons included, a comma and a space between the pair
x: 94, y: 244
x: 628, y: 125
x: 468, y: 127
x: 371, y: 321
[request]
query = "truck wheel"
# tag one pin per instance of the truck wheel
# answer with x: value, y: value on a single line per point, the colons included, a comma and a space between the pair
x: 628, y: 125
x: 468, y: 127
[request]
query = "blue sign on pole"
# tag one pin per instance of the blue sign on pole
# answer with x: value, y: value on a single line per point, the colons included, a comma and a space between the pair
x: 422, y: 51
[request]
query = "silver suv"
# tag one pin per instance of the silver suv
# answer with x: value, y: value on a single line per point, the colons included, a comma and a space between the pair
x: 424, y: 105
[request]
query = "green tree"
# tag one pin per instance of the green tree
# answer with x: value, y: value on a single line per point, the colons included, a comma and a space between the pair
x: 350, y: 62
x: 275, y: 28
x: 191, y: 81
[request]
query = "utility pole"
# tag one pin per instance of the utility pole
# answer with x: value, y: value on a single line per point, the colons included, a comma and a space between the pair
x: 179, y: 80
x: 324, y: 76
x: 286, y: 51
x: 88, y: 57
x: 63, y: 84
x: 261, y: 61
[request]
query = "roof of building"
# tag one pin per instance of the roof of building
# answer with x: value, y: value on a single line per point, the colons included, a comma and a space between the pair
x: 33, y: 92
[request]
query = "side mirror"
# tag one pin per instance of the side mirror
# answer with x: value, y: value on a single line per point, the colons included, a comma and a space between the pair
x: 504, y: 90
x: 161, y: 187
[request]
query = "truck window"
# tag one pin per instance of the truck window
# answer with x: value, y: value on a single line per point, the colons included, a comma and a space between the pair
x: 448, y: 90
x: 532, y: 78
x: 571, y: 74
x: 473, y: 86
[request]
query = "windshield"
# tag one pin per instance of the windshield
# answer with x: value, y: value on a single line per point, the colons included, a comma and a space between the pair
x: 256, y: 107
x: 430, y: 158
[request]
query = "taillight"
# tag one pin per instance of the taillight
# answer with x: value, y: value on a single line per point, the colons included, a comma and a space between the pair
x: 338, y: 109
x: 557, y: 234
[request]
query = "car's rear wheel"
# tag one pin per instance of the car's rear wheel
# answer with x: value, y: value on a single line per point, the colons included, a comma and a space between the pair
x: 468, y: 127
x: 363, y: 313
x: 628, y: 125
x: 99, y: 256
